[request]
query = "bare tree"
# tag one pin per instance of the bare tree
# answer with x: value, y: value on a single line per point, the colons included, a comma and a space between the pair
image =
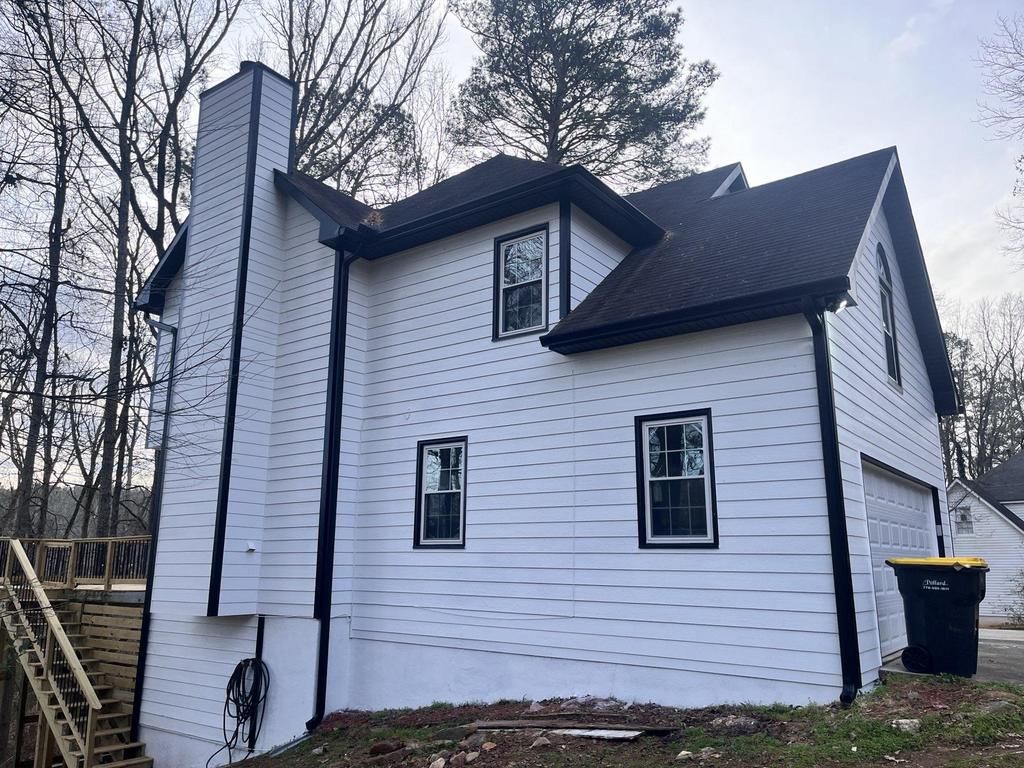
x: 357, y: 65
x: 129, y: 69
x: 986, y: 347
x: 1002, y: 59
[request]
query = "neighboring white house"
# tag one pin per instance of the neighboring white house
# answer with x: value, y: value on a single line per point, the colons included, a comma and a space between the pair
x: 519, y: 435
x: 987, y: 520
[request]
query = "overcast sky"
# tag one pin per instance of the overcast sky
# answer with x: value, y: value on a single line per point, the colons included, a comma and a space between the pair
x: 808, y: 82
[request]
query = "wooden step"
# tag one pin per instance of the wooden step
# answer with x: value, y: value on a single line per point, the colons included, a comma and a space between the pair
x: 103, y: 749
x: 112, y: 715
x: 113, y: 732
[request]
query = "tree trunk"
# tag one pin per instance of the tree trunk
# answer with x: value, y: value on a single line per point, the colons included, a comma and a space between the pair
x: 37, y: 401
x: 111, y: 400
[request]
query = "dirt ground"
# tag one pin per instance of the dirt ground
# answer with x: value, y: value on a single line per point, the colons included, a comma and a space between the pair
x: 953, y: 724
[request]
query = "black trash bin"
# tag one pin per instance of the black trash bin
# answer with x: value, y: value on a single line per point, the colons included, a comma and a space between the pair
x: 941, y: 596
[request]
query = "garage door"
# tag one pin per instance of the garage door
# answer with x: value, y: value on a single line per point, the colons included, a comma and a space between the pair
x: 901, y: 523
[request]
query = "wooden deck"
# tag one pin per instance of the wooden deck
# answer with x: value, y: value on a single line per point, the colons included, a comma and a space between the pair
x: 68, y: 612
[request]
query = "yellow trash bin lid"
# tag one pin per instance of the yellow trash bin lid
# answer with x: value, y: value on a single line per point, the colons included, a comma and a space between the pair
x: 940, y: 562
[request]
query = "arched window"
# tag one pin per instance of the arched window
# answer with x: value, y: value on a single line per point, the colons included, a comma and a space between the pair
x: 892, y: 354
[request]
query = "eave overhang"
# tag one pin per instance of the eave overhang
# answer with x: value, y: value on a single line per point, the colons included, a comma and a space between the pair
x: 152, y: 294
x: 777, y: 303
x: 574, y: 183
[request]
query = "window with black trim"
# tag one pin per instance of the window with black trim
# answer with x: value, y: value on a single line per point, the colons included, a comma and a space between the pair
x: 675, y: 480
x: 521, y: 282
x: 440, y: 519
x: 892, y: 352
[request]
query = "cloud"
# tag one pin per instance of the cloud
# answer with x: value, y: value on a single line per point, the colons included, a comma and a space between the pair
x: 915, y: 30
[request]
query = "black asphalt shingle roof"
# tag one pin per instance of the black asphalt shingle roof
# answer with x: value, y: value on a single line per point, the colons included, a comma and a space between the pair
x: 797, y: 231
x: 1005, y: 482
x: 985, y: 495
x: 698, y: 261
x: 343, y: 209
x: 493, y: 175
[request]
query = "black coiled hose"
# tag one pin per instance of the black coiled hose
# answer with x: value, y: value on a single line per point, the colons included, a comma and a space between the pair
x: 245, y: 701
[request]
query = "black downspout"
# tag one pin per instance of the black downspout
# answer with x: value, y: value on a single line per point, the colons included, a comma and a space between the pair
x: 155, y: 503
x: 564, y: 256
x: 329, y: 483
x: 846, y: 610
x: 254, y: 732
x: 937, y: 511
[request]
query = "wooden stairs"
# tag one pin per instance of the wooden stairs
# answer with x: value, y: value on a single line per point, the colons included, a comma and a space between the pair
x: 79, y: 659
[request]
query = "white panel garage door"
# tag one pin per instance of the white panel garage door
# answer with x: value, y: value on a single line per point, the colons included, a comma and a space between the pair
x: 901, y: 523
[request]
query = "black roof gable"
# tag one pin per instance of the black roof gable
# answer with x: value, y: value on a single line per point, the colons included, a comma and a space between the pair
x: 1005, y: 482
x: 982, y: 492
x: 755, y: 253
x: 796, y: 232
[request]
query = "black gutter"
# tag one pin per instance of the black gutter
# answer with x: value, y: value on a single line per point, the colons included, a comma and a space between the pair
x: 156, y: 499
x: 774, y: 303
x: 842, y: 577
x: 329, y: 483
x: 224, y: 487
x: 564, y: 256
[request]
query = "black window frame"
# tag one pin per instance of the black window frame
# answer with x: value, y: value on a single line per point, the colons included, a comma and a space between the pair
x: 496, y: 332
x: 418, y: 542
x: 640, y: 436
x: 888, y: 304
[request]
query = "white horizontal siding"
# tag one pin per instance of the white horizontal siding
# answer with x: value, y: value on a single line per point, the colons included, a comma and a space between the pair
x: 897, y: 426
x: 1001, y: 544
x: 259, y: 364
x: 595, y: 253
x: 551, y: 565
x: 292, y: 502
x: 205, y: 315
x: 188, y: 663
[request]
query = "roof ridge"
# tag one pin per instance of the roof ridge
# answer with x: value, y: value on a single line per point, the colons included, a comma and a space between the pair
x: 821, y: 168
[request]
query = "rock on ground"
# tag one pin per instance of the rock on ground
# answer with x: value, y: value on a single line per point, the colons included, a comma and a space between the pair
x: 736, y: 725
x: 907, y: 726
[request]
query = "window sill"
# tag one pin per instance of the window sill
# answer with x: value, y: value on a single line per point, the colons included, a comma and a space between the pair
x: 520, y: 334
x: 897, y: 387
x: 648, y: 544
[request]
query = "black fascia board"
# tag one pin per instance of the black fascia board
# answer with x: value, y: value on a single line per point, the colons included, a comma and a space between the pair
x: 761, y: 306
x: 152, y: 296
x: 920, y: 296
x: 581, y: 187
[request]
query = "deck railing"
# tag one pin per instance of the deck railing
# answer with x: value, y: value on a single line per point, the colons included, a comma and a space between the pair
x: 110, y: 563
x: 43, y: 645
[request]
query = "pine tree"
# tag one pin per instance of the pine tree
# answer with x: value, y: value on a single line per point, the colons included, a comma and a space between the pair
x: 599, y: 82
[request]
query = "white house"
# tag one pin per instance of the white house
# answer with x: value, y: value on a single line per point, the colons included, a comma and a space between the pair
x: 987, y: 520
x: 521, y: 436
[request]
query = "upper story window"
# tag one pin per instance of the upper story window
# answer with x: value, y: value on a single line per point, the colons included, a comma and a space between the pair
x: 964, y: 521
x: 675, y: 480
x: 440, y: 519
x: 520, y: 283
x: 892, y: 353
